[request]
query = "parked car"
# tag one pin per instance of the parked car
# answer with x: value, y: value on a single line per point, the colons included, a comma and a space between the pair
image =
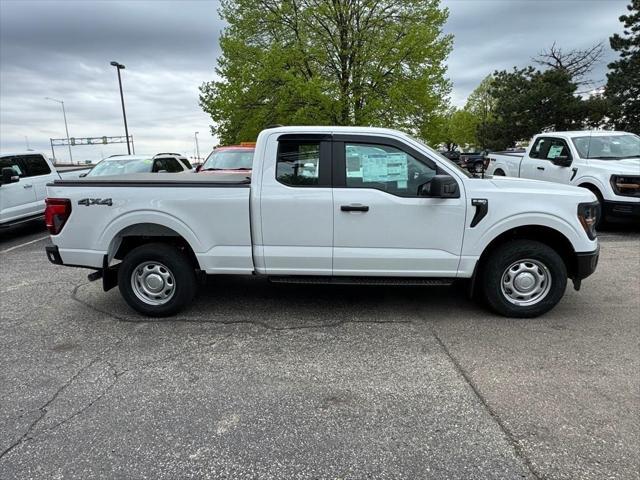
x: 347, y: 205
x: 229, y: 159
x: 128, y: 164
x: 181, y: 158
x: 453, y: 155
x: 473, y: 161
x: 22, y: 185
x: 605, y: 162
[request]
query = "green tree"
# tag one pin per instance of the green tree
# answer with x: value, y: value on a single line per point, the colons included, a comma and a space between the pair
x: 482, y: 104
x: 528, y: 101
x: 464, y: 127
x: 342, y: 62
x: 623, y: 80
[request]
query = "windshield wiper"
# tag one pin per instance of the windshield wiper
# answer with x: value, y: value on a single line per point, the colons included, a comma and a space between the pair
x: 208, y: 169
x: 241, y: 168
x: 605, y: 158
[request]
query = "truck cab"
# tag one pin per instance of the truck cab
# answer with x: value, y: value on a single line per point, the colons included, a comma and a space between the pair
x: 605, y: 162
x: 23, y: 186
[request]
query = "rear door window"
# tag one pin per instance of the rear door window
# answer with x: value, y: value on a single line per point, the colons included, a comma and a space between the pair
x: 303, y: 162
x: 35, y: 165
x: 14, y: 163
x: 173, y: 166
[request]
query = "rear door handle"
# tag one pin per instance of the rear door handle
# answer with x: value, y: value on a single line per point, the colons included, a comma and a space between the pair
x: 540, y: 168
x: 27, y: 186
x: 354, y: 208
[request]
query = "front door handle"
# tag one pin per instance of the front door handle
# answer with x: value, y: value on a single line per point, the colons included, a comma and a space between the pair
x: 540, y: 168
x: 27, y: 186
x: 354, y: 208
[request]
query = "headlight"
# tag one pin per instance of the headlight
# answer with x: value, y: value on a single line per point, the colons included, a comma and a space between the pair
x: 627, y: 185
x: 588, y: 215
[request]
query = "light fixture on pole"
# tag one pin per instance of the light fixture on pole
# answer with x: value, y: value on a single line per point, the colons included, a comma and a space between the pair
x: 66, y: 128
x: 119, y: 67
x: 197, y: 147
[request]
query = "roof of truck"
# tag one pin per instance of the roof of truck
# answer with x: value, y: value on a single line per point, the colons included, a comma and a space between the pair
x: 584, y: 133
x: 329, y: 129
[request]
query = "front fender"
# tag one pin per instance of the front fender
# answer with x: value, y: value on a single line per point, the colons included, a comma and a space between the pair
x: 595, y: 181
x: 573, y: 233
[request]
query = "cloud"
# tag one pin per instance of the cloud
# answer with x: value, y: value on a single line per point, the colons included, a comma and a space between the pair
x: 62, y: 49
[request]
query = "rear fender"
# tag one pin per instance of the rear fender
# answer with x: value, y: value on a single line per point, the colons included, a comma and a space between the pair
x: 110, y: 238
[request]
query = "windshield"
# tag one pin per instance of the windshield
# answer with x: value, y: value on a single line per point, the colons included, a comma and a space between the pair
x: 451, y: 163
x: 121, y: 167
x: 229, y: 160
x: 609, y: 147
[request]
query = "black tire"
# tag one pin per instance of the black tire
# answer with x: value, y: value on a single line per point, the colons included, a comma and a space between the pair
x: 527, y: 256
x: 180, y: 279
x: 498, y: 173
x: 478, y: 167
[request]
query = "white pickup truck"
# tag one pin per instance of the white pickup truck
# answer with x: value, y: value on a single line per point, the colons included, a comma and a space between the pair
x: 23, y: 182
x: 605, y: 162
x: 332, y: 205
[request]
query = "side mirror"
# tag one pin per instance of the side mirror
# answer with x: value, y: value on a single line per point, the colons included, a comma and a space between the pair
x: 562, y: 161
x: 198, y: 168
x: 82, y: 175
x: 9, y: 175
x: 440, y: 186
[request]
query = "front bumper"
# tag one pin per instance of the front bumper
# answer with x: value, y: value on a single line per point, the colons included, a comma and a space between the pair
x: 620, y: 211
x: 586, y: 264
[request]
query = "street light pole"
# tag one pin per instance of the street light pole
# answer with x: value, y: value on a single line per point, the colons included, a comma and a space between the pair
x: 119, y: 67
x: 197, y: 147
x: 66, y: 128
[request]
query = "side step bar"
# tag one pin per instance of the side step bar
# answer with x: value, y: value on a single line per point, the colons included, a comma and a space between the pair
x: 361, y: 280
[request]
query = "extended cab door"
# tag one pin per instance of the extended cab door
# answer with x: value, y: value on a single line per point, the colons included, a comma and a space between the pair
x: 17, y: 200
x: 549, y: 159
x: 382, y: 226
x: 38, y: 174
x: 296, y: 206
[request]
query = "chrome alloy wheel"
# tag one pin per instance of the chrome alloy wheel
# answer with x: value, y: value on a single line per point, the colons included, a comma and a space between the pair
x: 526, y: 282
x: 153, y: 283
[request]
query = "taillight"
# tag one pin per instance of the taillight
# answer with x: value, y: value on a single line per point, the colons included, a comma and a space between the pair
x: 56, y: 213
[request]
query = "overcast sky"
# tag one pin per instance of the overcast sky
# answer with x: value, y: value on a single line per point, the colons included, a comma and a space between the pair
x: 62, y: 49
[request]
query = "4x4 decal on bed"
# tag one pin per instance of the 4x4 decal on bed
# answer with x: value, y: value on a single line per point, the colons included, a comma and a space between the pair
x: 95, y: 201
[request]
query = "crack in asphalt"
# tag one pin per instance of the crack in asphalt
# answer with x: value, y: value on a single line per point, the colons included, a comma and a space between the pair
x: 519, y: 450
x: 258, y: 323
x: 43, y: 408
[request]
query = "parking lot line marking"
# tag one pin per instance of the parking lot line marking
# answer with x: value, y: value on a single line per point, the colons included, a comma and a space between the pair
x: 6, y: 250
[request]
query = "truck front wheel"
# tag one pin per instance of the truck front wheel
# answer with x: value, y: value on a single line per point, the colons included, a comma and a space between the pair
x: 157, y: 280
x: 523, y: 278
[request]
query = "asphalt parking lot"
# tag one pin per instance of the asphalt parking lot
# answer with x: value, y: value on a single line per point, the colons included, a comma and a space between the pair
x: 285, y: 381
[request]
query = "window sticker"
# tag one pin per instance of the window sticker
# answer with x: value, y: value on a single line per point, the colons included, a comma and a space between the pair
x: 388, y: 167
x: 555, y: 151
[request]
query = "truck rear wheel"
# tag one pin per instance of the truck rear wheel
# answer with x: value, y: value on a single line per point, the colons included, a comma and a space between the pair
x: 157, y: 280
x: 523, y: 279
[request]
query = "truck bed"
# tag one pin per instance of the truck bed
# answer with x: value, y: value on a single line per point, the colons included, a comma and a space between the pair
x: 211, y: 213
x: 159, y: 179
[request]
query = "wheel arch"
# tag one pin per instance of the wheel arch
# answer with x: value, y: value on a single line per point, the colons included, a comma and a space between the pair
x: 541, y: 233
x: 593, y: 187
x: 138, y: 234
